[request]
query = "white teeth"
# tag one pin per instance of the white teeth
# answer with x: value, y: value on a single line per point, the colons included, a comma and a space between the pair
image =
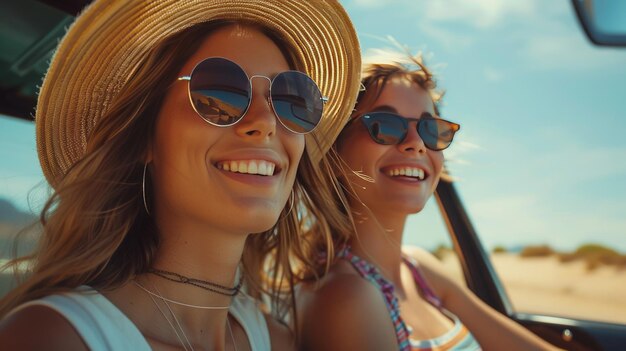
x: 261, y: 167
x: 408, y: 172
x: 252, y: 168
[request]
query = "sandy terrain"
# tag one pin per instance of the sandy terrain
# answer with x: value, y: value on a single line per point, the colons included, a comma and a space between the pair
x: 544, y: 285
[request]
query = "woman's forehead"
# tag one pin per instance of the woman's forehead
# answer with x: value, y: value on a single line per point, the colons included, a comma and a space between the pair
x: 406, y: 97
x: 247, y: 46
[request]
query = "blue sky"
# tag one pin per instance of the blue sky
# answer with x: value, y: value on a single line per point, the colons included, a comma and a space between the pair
x: 541, y: 157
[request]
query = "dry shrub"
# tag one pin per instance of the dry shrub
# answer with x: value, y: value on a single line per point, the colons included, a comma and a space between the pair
x: 499, y: 249
x: 595, y: 256
x: 537, y: 251
x: 568, y: 257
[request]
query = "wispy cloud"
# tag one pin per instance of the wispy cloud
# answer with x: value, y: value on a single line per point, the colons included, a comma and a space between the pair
x: 483, y: 14
x: 368, y: 4
x: 452, y: 40
x: 542, y: 35
x: 476, y: 13
x: 568, y: 51
x: 543, y: 196
x: 528, y: 219
x: 493, y: 75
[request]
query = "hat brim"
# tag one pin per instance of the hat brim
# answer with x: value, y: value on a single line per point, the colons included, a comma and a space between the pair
x: 110, y: 39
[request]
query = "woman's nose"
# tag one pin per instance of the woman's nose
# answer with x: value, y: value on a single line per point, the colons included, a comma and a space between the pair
x: 259, y: 120
x: 412, y: 142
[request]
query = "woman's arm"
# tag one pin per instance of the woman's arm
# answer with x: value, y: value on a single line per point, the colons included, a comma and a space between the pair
x: 346, y: 313
x: 493, y: 330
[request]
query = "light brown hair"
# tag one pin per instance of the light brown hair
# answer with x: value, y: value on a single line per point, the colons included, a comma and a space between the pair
x: 375, y: 76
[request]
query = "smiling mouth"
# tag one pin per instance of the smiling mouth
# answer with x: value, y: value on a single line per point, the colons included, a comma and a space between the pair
x: 254, y: 167
x: 409, y: 172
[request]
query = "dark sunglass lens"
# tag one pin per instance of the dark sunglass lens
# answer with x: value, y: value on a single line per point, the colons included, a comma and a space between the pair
x: 220, y: 91
x: 297, y: 101
x: 385, y: 128
x: 437, y: 134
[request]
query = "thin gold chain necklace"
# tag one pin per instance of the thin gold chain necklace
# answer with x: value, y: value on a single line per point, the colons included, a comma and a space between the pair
x: 182, y: 337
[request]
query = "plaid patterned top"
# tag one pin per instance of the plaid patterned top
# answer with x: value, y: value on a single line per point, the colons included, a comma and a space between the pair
x: 458, y: 338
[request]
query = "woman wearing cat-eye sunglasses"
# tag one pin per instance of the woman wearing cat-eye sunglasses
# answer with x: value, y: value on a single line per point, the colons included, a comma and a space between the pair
x: 375, y: 297
x: 387, y: 128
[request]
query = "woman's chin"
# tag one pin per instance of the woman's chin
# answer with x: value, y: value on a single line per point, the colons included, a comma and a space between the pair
x: 261, y: 223
x: 404, y: 207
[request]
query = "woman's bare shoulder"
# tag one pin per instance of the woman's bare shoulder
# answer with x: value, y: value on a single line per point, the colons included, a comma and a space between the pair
x: 344, y: 311
x: 39, y: 327
x: 332, y: 286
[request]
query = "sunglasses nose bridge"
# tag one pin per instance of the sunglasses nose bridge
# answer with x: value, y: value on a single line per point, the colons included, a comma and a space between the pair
x: 269, y: 83
x: 413, y: 140
x: 261, y: 93
x: 259, y: 119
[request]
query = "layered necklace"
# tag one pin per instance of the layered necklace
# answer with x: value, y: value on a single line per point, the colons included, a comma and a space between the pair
x: 203, y: 284
x: 173, y: 321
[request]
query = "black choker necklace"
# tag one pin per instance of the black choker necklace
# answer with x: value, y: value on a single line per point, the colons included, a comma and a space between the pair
x: 206, y: 285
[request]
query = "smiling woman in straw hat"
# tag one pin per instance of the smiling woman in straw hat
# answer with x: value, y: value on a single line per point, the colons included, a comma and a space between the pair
x: 180, y: 138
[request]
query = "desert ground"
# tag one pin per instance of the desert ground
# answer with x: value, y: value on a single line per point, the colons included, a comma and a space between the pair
x: 546, y: 286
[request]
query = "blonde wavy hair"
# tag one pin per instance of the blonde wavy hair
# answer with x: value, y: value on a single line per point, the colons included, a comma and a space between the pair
x: 382, y: 65
x: 95, y: 228
x: 377, y: 70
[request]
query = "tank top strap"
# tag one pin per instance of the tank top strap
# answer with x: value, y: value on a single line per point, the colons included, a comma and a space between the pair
x: 247, y: 312
x: 371, y: 273
x: 421, y: 282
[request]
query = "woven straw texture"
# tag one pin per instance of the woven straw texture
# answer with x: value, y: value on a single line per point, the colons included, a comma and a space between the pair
x: 108, y: 41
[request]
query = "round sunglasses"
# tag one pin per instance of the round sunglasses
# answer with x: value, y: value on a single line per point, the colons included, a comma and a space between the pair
x: 388, y: 128
x: 220, y: 92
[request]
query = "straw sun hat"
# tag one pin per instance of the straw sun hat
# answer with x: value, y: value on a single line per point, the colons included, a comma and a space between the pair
x: 107, y: 42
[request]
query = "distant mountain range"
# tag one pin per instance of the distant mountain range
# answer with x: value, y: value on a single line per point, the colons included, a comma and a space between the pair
x: 9, y: 214
x: 12, y: 221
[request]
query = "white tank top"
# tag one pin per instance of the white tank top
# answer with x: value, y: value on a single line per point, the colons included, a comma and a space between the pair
x: 102, y: 326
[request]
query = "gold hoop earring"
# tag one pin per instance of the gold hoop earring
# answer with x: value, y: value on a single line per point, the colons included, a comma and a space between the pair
x: 143, y: 188
x: 292, y: 200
